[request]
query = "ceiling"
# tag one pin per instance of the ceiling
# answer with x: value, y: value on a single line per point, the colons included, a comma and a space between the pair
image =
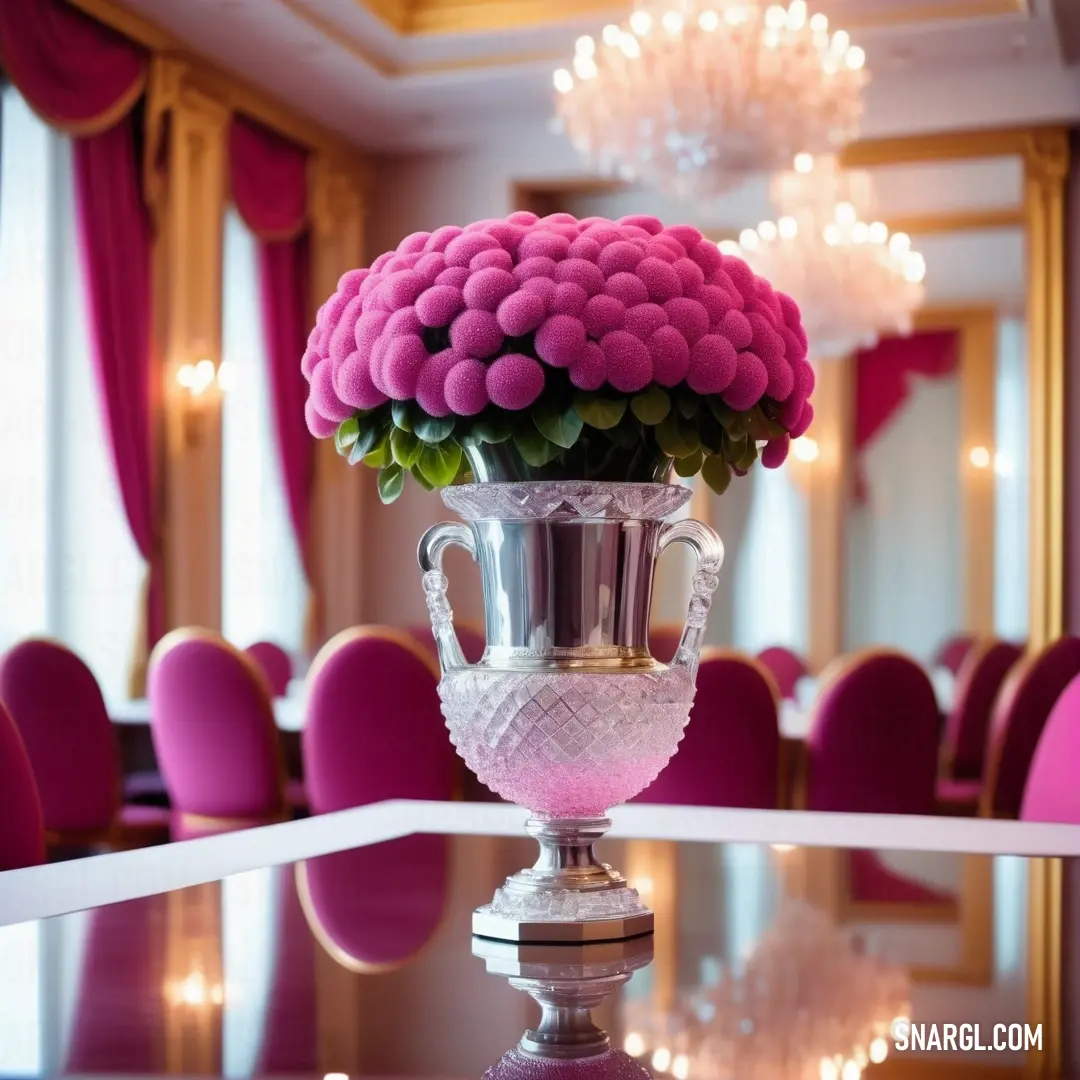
x: 414, y: 75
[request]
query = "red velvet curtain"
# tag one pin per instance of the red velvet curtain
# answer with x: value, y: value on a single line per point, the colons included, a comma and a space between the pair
x: 883, y: 381
x: 84, y: 79
x: 269, y: 187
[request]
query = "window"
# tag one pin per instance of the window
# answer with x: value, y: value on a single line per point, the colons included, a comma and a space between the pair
x: 263, y: 587
x: 69, y: 567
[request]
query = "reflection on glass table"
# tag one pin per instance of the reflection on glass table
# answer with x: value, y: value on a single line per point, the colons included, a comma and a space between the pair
x: 362, y: 963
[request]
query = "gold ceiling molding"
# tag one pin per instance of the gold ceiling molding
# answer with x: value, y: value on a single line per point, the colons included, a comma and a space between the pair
x: 236, y: 94
x: 435, y: 17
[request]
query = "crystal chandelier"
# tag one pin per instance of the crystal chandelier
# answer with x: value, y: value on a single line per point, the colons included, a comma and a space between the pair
x: 691, y: 96
x: 853, y: 279
x: 810, y: 1004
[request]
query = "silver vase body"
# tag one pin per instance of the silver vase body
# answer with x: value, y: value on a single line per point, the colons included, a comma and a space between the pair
x: 567, y: 713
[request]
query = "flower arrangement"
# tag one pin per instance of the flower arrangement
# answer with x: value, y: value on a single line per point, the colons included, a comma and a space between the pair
x: 591, y: 349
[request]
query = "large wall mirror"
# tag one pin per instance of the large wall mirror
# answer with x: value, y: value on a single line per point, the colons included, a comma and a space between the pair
x: 924, y: 508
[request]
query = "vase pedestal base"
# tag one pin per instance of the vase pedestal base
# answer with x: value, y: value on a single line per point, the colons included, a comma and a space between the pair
x: 567, y: 982
x: 569, y: 896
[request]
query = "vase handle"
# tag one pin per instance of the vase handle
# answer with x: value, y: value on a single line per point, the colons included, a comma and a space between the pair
x: 709, y: 549
x: 430, y: 555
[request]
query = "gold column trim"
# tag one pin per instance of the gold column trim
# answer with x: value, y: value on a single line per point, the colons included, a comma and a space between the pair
x: 188, y: 203
x: 1045, y: 924
x: 339, y: 196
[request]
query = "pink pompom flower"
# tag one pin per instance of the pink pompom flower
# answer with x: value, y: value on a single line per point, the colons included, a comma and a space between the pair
x: 526, y: 313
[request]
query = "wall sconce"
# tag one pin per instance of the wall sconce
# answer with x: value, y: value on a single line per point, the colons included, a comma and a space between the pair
x: 201, y: 382
x: 980, y: 457
x: 195, y: 992
x: 805, y: 449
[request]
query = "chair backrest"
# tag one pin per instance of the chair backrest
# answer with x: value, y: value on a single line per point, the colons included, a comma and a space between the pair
x: 978, y: 681
x: 1052, y: 791
x: 276, y: 665
x: 730, y: 753
x: 374, y: 908
x: 212, y: 721
x: 952, y: 651
x: 787, y: 668
x: 1020, y: 714
x: 664, y: 639
x: 22, y: 827
x: 57, y: 706
x: 872, y: 746
x: 473, y: 643
x: 373, y: 728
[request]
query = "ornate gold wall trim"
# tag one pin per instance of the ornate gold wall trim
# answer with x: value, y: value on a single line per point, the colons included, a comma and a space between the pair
x: 1045, y: 898
x: 432, y: 17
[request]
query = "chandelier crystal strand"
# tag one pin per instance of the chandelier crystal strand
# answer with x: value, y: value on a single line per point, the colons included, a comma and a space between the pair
x: 691, y: 96
x: 855, y: 281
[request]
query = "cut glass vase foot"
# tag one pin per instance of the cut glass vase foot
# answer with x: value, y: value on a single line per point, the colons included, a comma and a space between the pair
x: 568, y: 896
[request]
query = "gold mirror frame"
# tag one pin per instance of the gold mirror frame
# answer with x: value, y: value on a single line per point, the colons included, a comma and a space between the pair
x: 1044, y: 153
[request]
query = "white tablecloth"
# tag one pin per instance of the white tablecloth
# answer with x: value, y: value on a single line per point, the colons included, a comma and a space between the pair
x: 288, y: 711
x: 795, y: 716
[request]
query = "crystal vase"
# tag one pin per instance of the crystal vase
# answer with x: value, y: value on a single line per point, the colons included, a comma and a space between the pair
x: 567, y: 714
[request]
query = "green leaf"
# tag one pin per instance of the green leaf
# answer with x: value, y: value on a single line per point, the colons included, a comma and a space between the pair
x: 716, y: 473
x: 734, y: 423
x: 420, y: 478
x: 379, y: 455
x: 391, y: 482
x: 432, y: 429
x: 405, y: 447
x: 535, y: 448
x: 709, y: 432
x: 439, y: 464
x: 365, y: 442
x: 763, y: 427
x: 400, y: 411
x: 347, y: 433
x: 558, y: 424
x: 677, y: 440
x: 748, y: 457
x: 652, y: 406
x: 627, y: 433
x: 599, y: 412
x: 493, y: 429
x: 689, y: 405
x: 690, y: 465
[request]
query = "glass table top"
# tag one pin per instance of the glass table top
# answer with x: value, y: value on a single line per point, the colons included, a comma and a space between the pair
x: 766, y: 961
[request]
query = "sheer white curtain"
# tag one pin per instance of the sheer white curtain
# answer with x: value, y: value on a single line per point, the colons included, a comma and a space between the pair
x: 68, y: 565
x: 903, y: 578
x: 771, y: 571
x: 1011, y: 489
x: 263, y: 588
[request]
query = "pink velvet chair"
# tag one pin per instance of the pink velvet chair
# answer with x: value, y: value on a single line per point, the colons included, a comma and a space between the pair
x: 872, y: 746
x: 1052, y: 790
x: 373, y: 729
x: 473, y: 642
x: 963, y: 749
x: 952, y: 652
x: 1020, y: 714
x: 664, y: 639
x: 56, y: 703
x: 121, y: 1022
x: 787, y: 668
x: 374, y: 907
x: 730, y: 754
x: 212, y: 721
x: 22, y: 827
x: 276, y: 665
